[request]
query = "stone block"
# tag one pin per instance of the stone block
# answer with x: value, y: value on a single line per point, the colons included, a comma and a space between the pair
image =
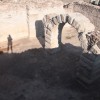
x: 50, y: 26
x: 48, y: 32
x: 47, y: 36
x: 54, y: 20
x: 88, y: 61
x: 47, y: 45
x: 59, y: 19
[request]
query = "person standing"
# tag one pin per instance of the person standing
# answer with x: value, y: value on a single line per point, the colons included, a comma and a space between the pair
x: 9, y: 43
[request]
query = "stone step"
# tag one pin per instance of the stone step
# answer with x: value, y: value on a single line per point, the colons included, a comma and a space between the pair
x: 85, y: 79
x: 82, y: 73
x: 92, y: 57
x: 86, y: 60
x: 85, y: 65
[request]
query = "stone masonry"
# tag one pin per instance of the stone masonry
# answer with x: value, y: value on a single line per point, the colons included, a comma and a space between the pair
x: 90, y: 59
x: 84, y: 18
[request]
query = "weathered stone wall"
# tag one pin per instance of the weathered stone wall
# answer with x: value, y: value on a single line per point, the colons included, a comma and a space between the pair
x: 90, y: 11
x: 89, y: 70
x: 53, y: 30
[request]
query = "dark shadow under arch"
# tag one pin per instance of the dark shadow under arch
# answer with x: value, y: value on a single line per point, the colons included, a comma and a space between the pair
x: 60, y: 28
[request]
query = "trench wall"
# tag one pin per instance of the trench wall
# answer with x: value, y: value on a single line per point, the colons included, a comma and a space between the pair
x: 90, y: 11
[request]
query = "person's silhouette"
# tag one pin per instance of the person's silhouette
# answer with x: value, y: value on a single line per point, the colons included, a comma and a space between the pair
x: 9, y: 43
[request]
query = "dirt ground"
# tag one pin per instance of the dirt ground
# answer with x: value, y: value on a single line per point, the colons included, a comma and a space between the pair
x: 33, y: 74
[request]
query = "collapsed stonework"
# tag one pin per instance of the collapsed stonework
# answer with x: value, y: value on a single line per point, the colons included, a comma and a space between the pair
x: 24, y: 20
x: 88, y: 37
x: 77, y: 20
x: 89, y: 61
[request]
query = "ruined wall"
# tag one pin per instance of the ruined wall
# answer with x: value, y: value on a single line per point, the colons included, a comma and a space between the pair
x: 90, y: 11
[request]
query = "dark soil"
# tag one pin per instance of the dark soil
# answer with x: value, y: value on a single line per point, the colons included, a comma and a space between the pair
x: 38, y: 75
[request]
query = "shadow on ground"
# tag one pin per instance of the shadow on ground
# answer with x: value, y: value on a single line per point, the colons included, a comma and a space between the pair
x: 37, y: 75
x: 40, y: 32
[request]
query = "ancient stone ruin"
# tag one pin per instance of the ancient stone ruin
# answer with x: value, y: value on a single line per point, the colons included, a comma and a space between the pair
x: 78, y: 15
x: 46, y: 19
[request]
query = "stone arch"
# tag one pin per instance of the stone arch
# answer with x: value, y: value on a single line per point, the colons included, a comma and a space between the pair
x: 89, y: 60
x: 77, y: 20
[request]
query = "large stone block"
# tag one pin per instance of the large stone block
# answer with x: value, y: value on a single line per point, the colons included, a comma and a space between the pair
x: 48, y: 32
x: 48, y: 36
x: 59, y: 19
x: 70, y: 20
x: 47, y: 45
x: 86, y: 60
x: 54, y: 20
x: 49, y: 26
x: 75, y: 24
x: 47, y: 40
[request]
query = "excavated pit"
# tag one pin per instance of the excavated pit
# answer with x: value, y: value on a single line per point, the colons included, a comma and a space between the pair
x: 36, y: 74
x: 31, y: 73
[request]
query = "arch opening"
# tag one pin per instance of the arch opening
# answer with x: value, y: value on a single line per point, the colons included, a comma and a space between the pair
x: 68, y: 38
x: 68, y: 34
x: 54, y: 24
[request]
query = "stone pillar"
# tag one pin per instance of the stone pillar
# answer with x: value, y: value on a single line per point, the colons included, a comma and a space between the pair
x: 89, y: 70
